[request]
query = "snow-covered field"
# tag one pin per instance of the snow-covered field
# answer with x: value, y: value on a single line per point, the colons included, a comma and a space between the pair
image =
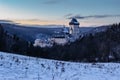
x: 16, y: 67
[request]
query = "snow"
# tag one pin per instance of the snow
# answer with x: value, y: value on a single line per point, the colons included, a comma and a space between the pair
x: 42, y: 43
x: 74, y: 22
x: 16, y: 67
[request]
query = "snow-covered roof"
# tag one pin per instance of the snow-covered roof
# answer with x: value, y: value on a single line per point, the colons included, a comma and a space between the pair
x: 65, y: 30
x: 59, y: 35
x: 74, y: 22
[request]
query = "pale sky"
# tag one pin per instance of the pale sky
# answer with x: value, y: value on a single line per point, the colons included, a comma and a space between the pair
x: 45, y: 12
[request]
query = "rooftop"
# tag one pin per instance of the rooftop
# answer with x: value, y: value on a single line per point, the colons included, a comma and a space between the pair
x: 74, y: 22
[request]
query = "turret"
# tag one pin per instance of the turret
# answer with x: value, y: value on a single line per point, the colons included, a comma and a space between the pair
x: 74, y: 28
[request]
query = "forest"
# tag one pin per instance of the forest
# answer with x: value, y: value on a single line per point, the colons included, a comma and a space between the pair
x: 98, y: 47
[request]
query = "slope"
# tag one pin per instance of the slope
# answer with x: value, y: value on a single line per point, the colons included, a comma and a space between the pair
x: 16, y: 67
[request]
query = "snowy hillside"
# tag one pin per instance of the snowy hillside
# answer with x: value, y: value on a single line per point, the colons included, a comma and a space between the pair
x: 15, y: 67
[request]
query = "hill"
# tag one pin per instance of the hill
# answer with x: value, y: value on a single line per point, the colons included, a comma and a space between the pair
x: 17, y: 67
x: 100, y: 44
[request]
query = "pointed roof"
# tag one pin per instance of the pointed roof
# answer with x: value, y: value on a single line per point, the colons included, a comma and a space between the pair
x: 74, y: 22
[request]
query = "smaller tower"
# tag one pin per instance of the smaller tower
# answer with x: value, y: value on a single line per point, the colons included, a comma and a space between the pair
x: 74, y: 28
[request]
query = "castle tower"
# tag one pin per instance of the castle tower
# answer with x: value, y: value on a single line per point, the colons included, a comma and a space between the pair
x: 74, y: 28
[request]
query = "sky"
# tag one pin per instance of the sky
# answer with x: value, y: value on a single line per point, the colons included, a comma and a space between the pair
x: 60, y: 12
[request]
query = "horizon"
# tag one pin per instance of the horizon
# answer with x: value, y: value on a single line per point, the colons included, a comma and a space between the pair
x: 59, y: 12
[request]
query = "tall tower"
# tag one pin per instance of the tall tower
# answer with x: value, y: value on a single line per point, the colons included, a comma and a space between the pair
x: 74, y: 28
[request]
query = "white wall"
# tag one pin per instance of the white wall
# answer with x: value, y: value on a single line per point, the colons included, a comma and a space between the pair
x: 60, y: 41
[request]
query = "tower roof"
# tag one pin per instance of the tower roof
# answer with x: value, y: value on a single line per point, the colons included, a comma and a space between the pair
x: 74, y: 22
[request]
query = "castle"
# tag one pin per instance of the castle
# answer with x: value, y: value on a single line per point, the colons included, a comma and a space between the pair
x: 68, y: 34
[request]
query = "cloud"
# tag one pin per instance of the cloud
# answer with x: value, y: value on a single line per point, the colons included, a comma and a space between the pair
x: 35, y: 20
x: 68, y: 15
x: 53, y: 1
x: 91, y: 16
x: 6, y: 21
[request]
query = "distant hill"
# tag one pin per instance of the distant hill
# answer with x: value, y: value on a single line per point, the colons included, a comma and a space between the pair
x: 29, y: 33
x: 97, y: 44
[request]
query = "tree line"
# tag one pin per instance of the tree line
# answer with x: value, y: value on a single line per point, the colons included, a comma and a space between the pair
x: 94, y: 47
